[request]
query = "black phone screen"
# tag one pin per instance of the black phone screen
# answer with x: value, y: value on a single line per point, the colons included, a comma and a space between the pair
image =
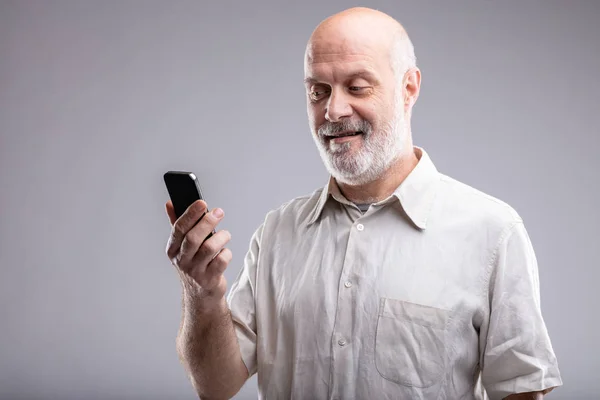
x: 183, y: 188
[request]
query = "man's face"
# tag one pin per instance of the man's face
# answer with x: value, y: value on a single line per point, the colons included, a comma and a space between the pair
x: 354, y: 107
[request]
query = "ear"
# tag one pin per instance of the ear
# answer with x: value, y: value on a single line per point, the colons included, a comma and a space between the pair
x: 412, y: 87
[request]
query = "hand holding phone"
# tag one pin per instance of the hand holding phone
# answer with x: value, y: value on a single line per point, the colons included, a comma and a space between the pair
x: 194, y: 247
x: 184, y: 190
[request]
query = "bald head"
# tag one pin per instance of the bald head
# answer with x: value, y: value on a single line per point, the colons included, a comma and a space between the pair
x: 364, y: 31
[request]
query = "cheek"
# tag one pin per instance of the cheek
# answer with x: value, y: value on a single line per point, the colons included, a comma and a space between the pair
x: 316, y: 117
x: 382, y: 113
x: 371, y: 112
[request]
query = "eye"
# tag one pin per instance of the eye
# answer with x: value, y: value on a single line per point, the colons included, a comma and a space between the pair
x: 356, y: 89
x: 317, y: 93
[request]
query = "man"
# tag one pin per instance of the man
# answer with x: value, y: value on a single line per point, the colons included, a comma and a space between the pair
x: 394, y: 281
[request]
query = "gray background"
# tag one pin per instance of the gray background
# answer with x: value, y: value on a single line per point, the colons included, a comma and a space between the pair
x: 98, y: 99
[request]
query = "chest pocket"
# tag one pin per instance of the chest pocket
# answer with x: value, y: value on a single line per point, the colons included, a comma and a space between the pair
x: 410, y: 343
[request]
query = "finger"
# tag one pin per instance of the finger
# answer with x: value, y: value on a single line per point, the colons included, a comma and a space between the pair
x: 214, y: 270
x: 171, y: 212
x: 198, y: 235
x: 219, y: 264
x: 183, y: 225
x: 206, y: 252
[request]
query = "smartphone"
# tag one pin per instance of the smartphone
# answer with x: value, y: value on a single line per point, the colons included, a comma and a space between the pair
x: 184, y: 189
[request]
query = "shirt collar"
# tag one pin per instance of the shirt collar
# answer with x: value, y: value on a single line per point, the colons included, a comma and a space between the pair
x: 415, y: 194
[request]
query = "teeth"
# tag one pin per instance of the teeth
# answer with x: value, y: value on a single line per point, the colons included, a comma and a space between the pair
x: 347, y: 134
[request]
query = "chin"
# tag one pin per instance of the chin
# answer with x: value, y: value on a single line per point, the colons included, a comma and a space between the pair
x: 355, y: 179
x: 355, y: 175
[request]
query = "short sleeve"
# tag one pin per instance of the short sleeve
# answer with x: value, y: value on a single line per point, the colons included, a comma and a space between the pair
x: 242, y: 305
x: 517, y: 354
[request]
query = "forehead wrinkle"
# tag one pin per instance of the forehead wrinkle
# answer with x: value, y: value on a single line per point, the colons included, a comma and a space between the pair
x: 340, y: 47
x: 320, y: 71
x: 325, y: 58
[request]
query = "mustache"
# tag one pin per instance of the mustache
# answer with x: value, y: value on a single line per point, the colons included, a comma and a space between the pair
x: 333, y: 128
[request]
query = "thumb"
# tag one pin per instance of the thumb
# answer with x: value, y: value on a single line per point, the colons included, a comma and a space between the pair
x: 171, y: 212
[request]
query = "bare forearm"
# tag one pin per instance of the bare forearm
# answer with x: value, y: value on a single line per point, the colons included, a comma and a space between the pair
x: 208, y: 348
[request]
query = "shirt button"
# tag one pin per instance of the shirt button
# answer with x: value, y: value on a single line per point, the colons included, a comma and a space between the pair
x: 348, y: 284
x: 342, y: 342
x: 360, y: 227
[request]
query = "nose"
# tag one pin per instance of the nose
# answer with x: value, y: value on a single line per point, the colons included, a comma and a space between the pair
x: 338, y: 107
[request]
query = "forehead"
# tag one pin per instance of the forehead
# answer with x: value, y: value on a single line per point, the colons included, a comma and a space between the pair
x: 330, y: 57
x: 329, y: 46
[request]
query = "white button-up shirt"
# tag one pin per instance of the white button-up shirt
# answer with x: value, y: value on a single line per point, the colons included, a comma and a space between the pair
x: 432, y: 293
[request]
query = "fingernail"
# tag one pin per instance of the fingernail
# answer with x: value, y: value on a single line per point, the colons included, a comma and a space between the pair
x: 217, y: 212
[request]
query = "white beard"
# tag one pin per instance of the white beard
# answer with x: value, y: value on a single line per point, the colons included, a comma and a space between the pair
x: 377, y: 152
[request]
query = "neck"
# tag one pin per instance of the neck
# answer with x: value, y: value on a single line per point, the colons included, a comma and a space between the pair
x: 383, y: 187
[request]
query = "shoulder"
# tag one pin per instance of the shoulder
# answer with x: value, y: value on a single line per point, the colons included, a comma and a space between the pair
x: 474, y: 206
x: 294, y: 212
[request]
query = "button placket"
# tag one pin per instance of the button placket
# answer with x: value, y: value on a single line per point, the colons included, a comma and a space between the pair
x: 342, y: 350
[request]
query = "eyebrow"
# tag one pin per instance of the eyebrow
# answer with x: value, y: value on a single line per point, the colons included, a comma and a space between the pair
x: 365, y: 74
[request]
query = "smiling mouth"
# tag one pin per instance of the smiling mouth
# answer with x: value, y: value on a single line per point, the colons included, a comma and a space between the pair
x: 346, y: 134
